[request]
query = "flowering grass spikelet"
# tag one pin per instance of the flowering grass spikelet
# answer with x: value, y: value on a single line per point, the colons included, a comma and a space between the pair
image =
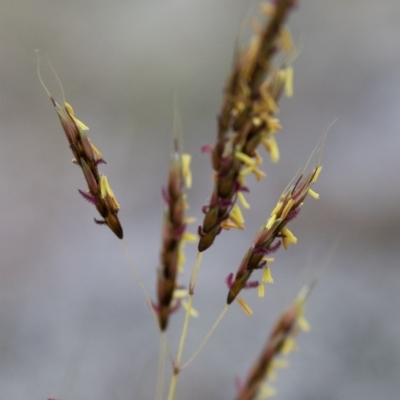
x: 273, y: 233
x: 87, y: 156
x: 247, y: 118
x: 280, y: 343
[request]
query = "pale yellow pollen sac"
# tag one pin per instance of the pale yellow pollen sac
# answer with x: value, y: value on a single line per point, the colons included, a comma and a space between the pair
x: 106, y: 190
x: 271, y: 147
x: 277, y: 208
x: 268, y: 259
x: 288, y: 346
x: 256, y: 121
x: 180, y: 293
x: 258, y: 173
x: 95, y: 150
x: 245, y: 159
x: 187, y: 173
x: 274, y: 125
x: 287, y: 238
x: 267, y: 277
x: 238, y: 109
x: 280, y: 363
x: 228, y: 225
x: 267, y: 391
x: 71, y: 113
x: 291, y: 238
x: 303, y: 323
x: 245, y: 307
x: 270, y: 222
x: 287, y: 209
x: 243, y: 200
x: 313, y: 194
x: 190, y: 220
x: 289, y: 82
x: 286, y: 39
x: 261, y: 290
x: 181, y: 261
x: 316, y: 174
x: 193, y: 313
x: 189, y: 237
x: 236, y: 216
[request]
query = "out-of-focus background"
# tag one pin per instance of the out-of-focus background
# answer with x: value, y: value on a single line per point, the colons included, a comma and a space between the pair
x: 73, y: 322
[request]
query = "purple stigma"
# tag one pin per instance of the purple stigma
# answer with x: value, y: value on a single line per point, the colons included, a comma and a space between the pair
x: 88, y: 197
x: 229, y: 281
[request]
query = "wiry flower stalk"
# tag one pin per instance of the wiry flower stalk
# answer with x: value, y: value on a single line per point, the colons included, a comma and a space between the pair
x: 246, y: 120
x: 273, y: 233
x: 87, y: 156
x: 280, y: 342
x: 174, y: 235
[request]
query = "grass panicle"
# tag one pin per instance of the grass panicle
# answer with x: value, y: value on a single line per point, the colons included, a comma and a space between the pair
x: 273, y: 233
x: 247, y: 119
x: 173, y: 235
x: 88, y: 157
x: 280, y: 343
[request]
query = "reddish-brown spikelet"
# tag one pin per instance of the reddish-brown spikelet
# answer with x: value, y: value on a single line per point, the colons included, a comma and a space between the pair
x: 275, y: 229
x: 173, y: 231
x: 87, y: 157
x: 245, y: 121
x: 279, y: 343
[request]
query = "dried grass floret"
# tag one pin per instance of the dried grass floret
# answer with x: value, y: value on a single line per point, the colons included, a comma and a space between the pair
x: 273, y: 233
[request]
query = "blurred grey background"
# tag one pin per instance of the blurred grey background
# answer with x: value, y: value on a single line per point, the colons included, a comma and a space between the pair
x: 73, y: 321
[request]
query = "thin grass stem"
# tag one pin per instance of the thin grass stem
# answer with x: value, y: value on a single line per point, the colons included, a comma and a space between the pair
x: 206, y: 338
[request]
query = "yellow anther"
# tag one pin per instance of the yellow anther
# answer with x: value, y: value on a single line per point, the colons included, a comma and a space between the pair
x: 266, y: 276
x: 303, y: 324
x: 193, y: 313
x: 288, y: 346
x: 181, y: 261
x: 189, y: 237
x: 258, y: 173
x: 316, y: 175
x: 280, y: 363
x: 180, y: 293
x: 243, y: 200
x: 190, y: 220
x: 274, y: 125
x: 267, y: 391
x: 105, y: 190
x: 286, y: 40
x: 272, y: 148
x: 95, y: 151
x: 245, y: 171
x: 289, y: 82
x: 277, y: 208
x: 236, y: 216
x: 268, y: 259
x: 245, y: 307
x: 289, y: 235
x: 71, y: 113
x: 187, y: 173
x: 287, y: 208
x: 247, y: 160
x: 256, y: 121
x: 261, y: 290
x: 313, y: 194
x: 270, y: 222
